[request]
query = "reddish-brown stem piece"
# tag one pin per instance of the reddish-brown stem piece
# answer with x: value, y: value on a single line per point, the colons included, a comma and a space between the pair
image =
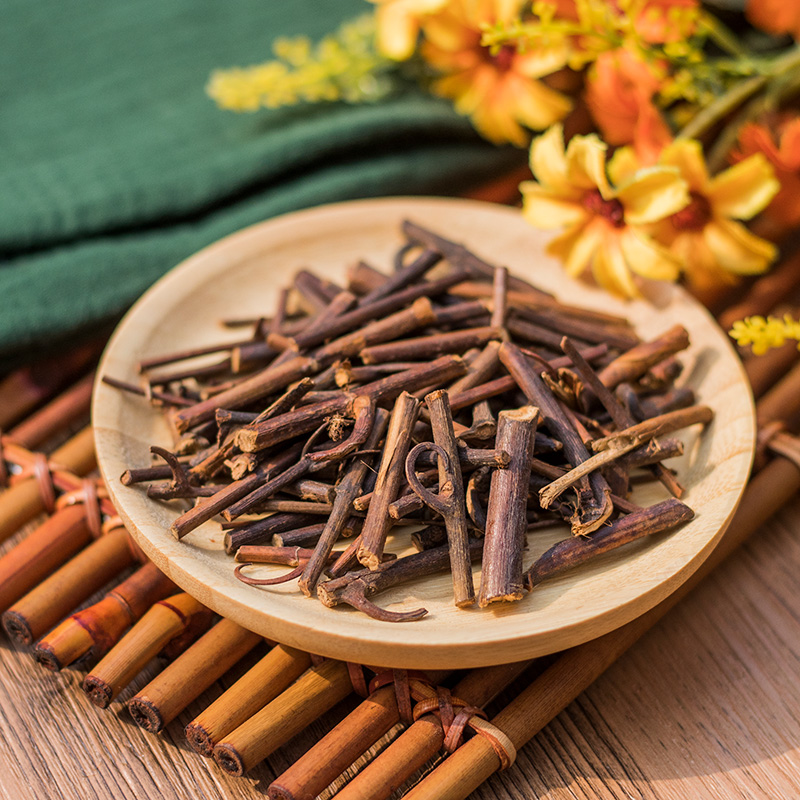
x: 577, y: 550
x: 506, y: 517
x: 657, y: 426
x: 594, y: 504
x: 425, y: 347
x: 619, y: 414
x: 449, y: 501
x: 303, y: 420
x: 636, y: 361
x: 355, y: 588
x: 262, y: 384
x: 403, y: 277
x: 390, y: 474
x: 346, y: 491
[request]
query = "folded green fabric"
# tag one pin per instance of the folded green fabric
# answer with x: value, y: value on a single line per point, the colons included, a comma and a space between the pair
x: 114, y: 165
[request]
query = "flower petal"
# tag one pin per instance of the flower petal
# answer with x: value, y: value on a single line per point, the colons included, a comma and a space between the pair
x: 548, y: 162
x: 586, y: 164
x: 534, y: 104
x: 687, y: 156
x: 396, y: 31
x: 736, y: 249
x: 744, y: 189
x: 576, y: 247
x: 648, y: 259
x: 611, y: 270
x: 652, y: 194
x: 543, y: 61
x: 545, y: 210
x: 622, y: 165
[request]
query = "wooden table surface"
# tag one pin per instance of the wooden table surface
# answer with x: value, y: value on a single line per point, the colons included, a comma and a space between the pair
x: 706, y: 705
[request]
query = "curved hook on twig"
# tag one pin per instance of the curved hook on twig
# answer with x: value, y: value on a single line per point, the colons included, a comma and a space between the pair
x: 355, y: 595
x: 295, y: 573
x: 438, y: 502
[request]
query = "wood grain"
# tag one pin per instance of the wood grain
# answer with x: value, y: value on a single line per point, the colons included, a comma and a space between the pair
x: 706, y: 706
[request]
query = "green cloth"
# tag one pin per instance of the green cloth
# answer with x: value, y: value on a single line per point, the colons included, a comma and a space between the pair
x: 115, y: 165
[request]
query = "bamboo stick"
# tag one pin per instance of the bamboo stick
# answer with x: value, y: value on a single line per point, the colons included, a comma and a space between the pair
x: 577, y: 668
x: 257, y: 687
x: 782, y: 401
x: 166, y: 620
x: 314, y: 693
x: 763, y: 371
x: 186, y: 678
x: 425, y: 738
x: 35, y: 557
x: 350, y: 739
x: 24, y: 389
x: 49, y: 602
x: 766, y: 292
x: 57, y: 415
x: 23, y: 501
x: 95, y: 629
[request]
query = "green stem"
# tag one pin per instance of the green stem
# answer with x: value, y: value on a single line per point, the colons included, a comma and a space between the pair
x: 718, y: 153
x: 727, y: 103
x: 722, y: 35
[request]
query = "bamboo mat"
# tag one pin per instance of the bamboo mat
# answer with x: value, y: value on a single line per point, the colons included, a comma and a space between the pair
x: 707, y: 705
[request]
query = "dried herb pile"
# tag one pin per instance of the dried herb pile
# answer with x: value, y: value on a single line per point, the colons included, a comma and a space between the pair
x: 449, y: 402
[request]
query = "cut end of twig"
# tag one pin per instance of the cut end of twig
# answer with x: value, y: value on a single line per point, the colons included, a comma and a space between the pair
x: 510, y: 597
x: 465, y: 602
x: 368, y: 559
x: 145, y: 714
x: 228, y: 758
x: 99, y: 692
x: 199, y: 739
x: 17, y: 627
x: 246, y: 440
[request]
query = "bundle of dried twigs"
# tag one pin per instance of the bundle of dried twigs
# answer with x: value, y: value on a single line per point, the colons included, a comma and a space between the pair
x: 396, y: 401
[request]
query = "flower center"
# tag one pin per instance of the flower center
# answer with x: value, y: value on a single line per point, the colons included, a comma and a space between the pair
x: 695, y: 216
x: 611, y: 210
x: 503, y: 58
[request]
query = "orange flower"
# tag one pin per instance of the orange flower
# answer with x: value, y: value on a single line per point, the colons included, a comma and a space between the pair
x: 779, y: 140
x: 656, y: 22
x: 655, y: 19
x: 775, y: 16
x: 619, y: 93
x: 500, y: 93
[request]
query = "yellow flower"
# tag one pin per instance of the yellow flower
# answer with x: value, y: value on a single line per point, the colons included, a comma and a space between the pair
x: 705, y: 236
x: 398, y: 24
x: 764, y: 334
x: 605, y: 224
x: 498, y: 91
x: 342, y: 66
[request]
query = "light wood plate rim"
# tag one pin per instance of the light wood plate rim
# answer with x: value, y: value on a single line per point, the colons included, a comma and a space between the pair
x: 479, y: 640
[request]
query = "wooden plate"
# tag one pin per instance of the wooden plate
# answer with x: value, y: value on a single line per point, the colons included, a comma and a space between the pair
x: 239, y: 277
